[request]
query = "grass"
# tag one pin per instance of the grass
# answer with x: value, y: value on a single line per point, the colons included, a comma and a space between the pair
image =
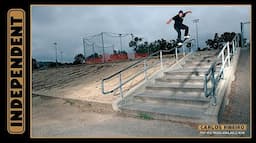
x: 145, y: 116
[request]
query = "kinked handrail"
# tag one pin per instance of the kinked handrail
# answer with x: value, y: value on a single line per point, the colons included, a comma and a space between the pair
x: 121, y: 82
x: 210, y: 73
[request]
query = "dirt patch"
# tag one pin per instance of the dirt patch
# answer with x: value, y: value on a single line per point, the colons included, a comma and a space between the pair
x: 82, y: 105
x: 84, y: 82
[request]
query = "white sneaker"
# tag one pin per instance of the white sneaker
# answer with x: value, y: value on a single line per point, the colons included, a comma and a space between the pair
x: 179, y: 44
x: 186, y: 37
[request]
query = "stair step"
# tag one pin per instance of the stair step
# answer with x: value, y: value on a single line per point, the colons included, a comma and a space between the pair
x: 181, y: 79
x: 160, y: 98
x: 198, y: 63
x: 191, y: 69
x: 203, y: 55
x: 176, y: 93
x: 176, y: 112
x: 176, y: 87
x: 201, y: 65
x: 187, y: 74
x: 208, y: 60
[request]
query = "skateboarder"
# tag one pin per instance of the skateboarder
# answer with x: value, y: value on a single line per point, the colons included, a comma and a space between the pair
x: 178, y: 25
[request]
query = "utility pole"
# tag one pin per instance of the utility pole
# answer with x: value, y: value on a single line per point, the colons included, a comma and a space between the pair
x: 132, y: 36
x: 196, y: 21
x: 93, y: 52
x: 120, y: 36
x: 55, y: 45
x: 242, y: 32
x: 242, y: 37
x: 84, y: 46
x: 102, y: 40
x: 61, y: 52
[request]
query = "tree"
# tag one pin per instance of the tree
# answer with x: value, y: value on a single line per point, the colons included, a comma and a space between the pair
x: 152, y: 47
x: 95, y: 55
x: 78, y: 59
x: 227, y: 36
x: 34, y: 64
x: 216, y: 42
x: 134, y: 43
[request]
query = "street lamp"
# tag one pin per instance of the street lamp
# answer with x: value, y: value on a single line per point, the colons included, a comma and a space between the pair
x: 132, y: 36
x: 61, y: 56
x: 120, y: 35
x: 84, y: 45
x: 242, y: 32
x: 196, y: 21
x: 55, y: 44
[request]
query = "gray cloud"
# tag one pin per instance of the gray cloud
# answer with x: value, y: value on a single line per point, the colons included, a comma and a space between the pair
x: 66, y: 25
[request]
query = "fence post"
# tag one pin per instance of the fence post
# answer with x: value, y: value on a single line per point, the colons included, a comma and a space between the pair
x: 233, y: 47
x: 161, y: 59
x: 120, y: 85
x: 205, y: 85
x: 228, y: 54
x: 183, y: 50
x: 176, y: 54
x: 145, y: 70
x: 213, y: 86
x: 222, y: 57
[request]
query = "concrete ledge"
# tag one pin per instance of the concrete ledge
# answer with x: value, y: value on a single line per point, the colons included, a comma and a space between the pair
x: 223, y: 90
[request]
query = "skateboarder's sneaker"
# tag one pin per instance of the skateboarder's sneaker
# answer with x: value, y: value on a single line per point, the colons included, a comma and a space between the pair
x: 179, y: 43
x: 186, y: 37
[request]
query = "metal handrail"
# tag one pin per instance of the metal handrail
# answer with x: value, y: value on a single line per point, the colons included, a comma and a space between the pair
x: 211, y: 71
x: 121, y: 83
x: 128, y: 67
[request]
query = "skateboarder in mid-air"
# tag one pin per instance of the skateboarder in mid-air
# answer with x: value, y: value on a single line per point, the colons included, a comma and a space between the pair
x: 178, y: 25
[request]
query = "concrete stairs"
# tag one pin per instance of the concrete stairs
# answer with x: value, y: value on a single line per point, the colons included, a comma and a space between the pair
x: 177, y: 95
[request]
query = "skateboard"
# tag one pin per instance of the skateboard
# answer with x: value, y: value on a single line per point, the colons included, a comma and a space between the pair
x: 186, y: 41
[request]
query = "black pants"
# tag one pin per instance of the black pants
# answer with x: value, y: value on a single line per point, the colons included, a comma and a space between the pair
x: 178, y: 28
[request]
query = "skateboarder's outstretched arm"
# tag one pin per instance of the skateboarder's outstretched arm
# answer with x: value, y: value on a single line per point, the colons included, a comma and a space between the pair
x: 188, y: 12
x: 169, y: 21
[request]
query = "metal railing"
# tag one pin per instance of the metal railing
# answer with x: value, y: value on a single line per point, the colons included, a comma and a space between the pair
x: 145, y: 69
x: 225, y: 54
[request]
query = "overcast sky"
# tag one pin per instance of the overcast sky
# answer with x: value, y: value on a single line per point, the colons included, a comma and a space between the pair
x: 66, y: 25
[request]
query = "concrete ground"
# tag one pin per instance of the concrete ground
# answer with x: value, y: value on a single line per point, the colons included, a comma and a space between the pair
x: 59, y: 118
x: 238, y: 109
x: 53, y: 117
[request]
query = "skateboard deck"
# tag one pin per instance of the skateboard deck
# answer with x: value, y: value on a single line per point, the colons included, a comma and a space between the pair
x: 186, y: 41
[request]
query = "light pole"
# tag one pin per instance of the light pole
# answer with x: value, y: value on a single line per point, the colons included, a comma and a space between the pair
x: 242, y: 32
x: 55, y: 44
x: 132, y: 36
x: 120, y: 36
x: 84, y: 45
x: 61, y: 52
x: 196, y: 21
x: 93, y: 53
x: 102, y: 40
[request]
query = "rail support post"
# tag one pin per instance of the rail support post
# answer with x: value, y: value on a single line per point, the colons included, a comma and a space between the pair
x: 161, y: 59
x: 176, y: 54
x: 145, y: 70
x: 228, y: 53
x: 120, y: 85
